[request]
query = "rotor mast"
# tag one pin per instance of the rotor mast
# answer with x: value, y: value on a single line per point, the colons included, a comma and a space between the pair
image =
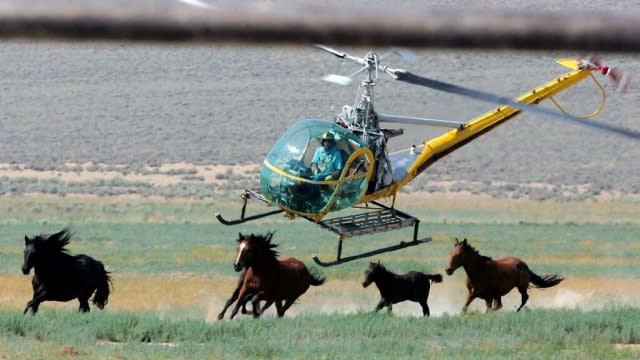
x: 362, y: 120
x: 365, y: 121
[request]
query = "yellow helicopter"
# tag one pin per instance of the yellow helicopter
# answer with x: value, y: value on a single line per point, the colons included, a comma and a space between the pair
x: 359, y: 170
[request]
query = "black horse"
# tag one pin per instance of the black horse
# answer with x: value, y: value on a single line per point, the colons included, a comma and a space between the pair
x: 59, y: 276
x: 413, y: 286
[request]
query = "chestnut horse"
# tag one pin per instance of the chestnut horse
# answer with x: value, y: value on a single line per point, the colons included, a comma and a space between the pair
x: 490, y: 279
x: 268, y: 278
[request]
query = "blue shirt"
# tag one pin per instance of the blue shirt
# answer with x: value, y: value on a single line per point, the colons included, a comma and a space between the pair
x: 327, y: 161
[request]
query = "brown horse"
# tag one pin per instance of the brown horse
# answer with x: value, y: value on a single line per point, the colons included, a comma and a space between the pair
x: 393, y: 288
x: 490, y: 279
x: 268, y: 278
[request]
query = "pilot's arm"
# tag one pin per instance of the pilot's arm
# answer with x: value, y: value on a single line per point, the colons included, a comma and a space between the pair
x: 315, y: 161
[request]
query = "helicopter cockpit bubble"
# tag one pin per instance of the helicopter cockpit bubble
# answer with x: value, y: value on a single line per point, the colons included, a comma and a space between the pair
x: 287, y: 180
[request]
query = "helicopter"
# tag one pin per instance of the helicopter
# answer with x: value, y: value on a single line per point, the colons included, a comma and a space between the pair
x: 369, y: 172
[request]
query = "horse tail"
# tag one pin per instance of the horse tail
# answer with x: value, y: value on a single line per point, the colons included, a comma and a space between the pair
x: 545, y: 281
x: 103, y: 289
x: 436, y: 278
x: 316, y: 279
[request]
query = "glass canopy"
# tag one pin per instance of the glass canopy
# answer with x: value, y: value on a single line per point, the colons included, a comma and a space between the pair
x: 285, y: 176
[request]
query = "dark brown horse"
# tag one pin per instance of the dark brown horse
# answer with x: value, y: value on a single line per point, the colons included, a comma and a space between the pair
x: 247, y: 273
x: 490, y: 279
x: 413, y: 286
x: 267, y: 278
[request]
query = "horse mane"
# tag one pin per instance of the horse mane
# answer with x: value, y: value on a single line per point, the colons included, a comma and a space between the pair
x: 472, y: 249
x: 381, y: 269
x: 262, y: 243
x: 55, y: 242
x: 380, y: 266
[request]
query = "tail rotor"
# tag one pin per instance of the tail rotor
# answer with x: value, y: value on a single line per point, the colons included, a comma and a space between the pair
x: 620, y: 79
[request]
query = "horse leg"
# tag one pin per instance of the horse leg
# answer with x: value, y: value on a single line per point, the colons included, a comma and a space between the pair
x: 243, y: 298
x: 286, y: 306
x: 84, y: 304
x: 266, y: 305
x: 255, y: 301
x: 38, y: 297
x: 230, y: 301
x: 279, y: 307
x: 381, y: 304
x: 489, y: 303
x: 425, y: 308
x: 470, y: 297
x: 524, y: 296
x: 33, y: 305
x: 497, y: 303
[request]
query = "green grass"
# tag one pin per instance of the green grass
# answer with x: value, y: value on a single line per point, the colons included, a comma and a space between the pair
x: 210, y: 248
x: 149, y: 238
x: 537, y: 334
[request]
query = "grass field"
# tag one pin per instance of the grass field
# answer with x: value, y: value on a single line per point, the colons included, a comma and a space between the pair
x: 172, y: 272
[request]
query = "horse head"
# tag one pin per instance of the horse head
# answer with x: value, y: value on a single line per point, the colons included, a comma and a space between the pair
x: 457, y: 256
x: 30, y: 253
x: 243, y: 252
x: 40, y: 247
x: 255, y: 249
x: 371, y: 273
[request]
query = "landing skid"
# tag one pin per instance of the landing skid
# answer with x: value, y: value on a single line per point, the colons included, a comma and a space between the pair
x: 379, y: 220
x: 245, y: 196
x: 341, y: 260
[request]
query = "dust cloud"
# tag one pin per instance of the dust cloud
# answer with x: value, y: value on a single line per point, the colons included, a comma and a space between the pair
x: 447, y: 298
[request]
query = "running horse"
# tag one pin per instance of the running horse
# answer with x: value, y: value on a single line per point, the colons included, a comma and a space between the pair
x: 59, y: 276
x: 393, y: 288
x: 267, y: 278
x: 490, y: 279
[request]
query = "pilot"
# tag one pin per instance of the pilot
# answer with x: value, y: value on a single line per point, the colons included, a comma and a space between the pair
x: 327, y: 160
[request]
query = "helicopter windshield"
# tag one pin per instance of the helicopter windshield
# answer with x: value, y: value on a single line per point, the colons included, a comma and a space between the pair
x: 288, y: 179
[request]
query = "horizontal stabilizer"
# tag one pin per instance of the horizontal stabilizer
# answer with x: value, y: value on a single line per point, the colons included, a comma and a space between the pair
x: 570, y: 63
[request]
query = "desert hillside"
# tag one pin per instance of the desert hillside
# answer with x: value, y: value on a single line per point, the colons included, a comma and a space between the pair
x: 136, y: 105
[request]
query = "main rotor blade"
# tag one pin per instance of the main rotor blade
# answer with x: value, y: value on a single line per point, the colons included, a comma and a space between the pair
x: 500, y: 100
x: 335, y: 52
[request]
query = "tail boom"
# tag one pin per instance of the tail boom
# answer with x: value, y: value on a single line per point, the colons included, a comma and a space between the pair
x: 440, y: 146
x: 453, y: 139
